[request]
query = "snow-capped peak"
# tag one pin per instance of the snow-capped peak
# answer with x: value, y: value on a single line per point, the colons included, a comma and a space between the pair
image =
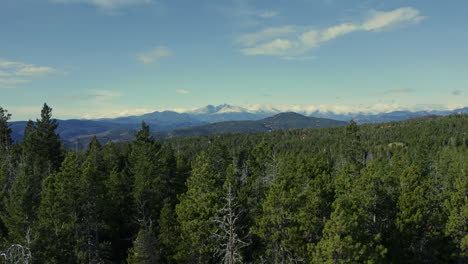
x: 225, y: 108
x: 220, y: 109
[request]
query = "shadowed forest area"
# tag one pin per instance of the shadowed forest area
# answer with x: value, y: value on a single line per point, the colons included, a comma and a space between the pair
x: 382, y: 193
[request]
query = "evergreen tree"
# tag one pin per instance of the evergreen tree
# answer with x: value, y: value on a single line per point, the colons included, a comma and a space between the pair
x: 354, y: 232
x: 120, y: 208
x: 5, y: 130
x: 60, y: 213
x: 92, y: 246
x: 150, y: 174
x: 457, y: 224
x: 197, y: 210
x: 47, y: 141
x: 7, y: 166
x: 317, y: 205
x: 41, y: 156
x: 145, y: 250
x: 352, y: 146
x: 278, y: 225
x: 21, y: 204
x: 168, y: 232
x: 419, y: 219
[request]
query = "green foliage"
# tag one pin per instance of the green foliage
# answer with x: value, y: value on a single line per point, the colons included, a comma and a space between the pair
x: 5, y: 130
x: 382, y: 193
x: 150, y: 174
x: 279, y: 121
x: 168, y: 230
x: 60, y: 213
x: 144, y: 249
x: 196, y: 211
x: 457, y: 223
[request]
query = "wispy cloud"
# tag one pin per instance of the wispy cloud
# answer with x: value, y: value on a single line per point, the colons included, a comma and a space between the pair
x: 13, y: 73
x: 267, y: 14
x: 244, y: 14
x: 289, y: 41
x: 182, y: 91
x: 266, y: 34
x: 154, y: 55
x: 299, y: 58
x: 9, y: 83
x: 457, y: 92
x: 395, y: 91
x: 93, y: 96
x: 106, y: 4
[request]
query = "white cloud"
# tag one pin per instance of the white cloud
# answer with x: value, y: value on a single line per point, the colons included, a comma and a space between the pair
x: 182, y: 91
x: 342, y: 108
x: 10, y: 83
x: 336, y: 31
x: 267, y: 14
x: 395, y: 91
x: 106, y: 4
x: 299, y: 58
x: 275, y: 47
x: 154, y: 54
x: 310, y: 39
x: 14, y: 81
x: 14, y: 69
x: 382, y: 20
x: 243, y: 13
x: 93, y: 96
x: 267, y: 33
x: 115, y: 111
x: 267, y: 41
x: 118, y: 110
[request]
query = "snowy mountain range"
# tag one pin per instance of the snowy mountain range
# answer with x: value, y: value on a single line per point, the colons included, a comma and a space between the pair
x: 226, y: 112
x: 210, y: 114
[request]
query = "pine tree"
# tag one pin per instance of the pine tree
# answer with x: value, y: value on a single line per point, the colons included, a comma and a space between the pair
x: 352, y: 146
x: 278, y: 225
x: 60, y: 213
x: 457, y: 224
x: 197, y: 210
x: 317, y: 205
x: 7, y: 166
x: 419, y: 219
x: 91, y: 247
x: 168, y: 233
x: 354, y: 232
x: 145, y: 248
x: 120, y: 208
x: 21, y: 204
x: 5, y: 130
x: 41, y: 156
x: 47, y: 141
x: 150, y: 174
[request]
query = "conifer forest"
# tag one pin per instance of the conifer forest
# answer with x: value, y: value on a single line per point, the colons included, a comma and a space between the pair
x: 392, y: 192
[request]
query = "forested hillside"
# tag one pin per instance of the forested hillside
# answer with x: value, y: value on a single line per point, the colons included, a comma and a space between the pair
x: 382, y: 193
x: 278, y: 122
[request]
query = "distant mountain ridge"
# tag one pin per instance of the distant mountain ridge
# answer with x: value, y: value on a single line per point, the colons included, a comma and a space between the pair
x: 281, y: 121
x: 210, y: 114
x: 226, y: 112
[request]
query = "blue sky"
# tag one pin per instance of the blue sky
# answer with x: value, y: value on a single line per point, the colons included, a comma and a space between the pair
x: 104, y: 58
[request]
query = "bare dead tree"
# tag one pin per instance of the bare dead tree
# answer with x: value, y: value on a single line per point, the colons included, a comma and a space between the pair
x: 18, y: 254
x: 145, y: 245
x: 272, y: 169
x: 227, y: 234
